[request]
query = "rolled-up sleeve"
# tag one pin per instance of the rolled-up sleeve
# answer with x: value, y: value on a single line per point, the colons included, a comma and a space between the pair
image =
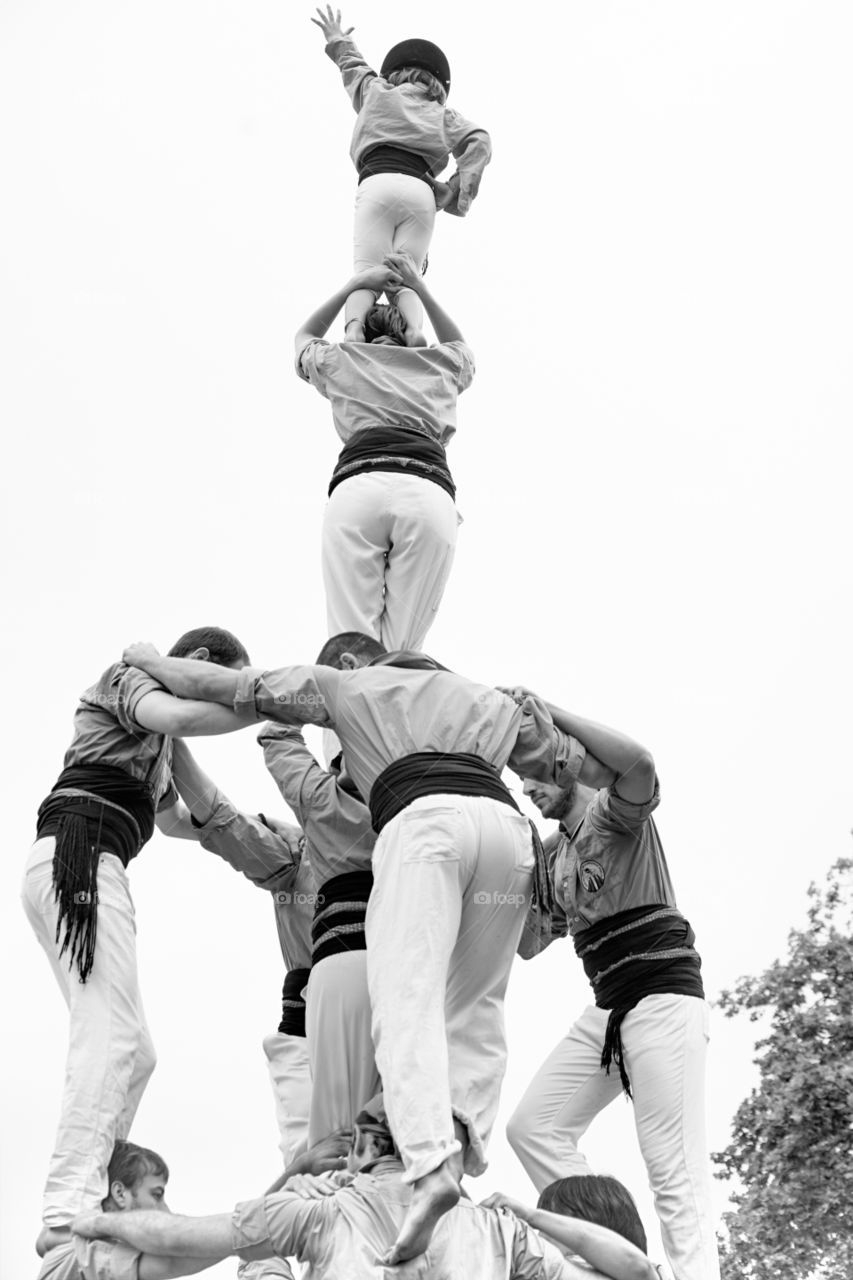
x: 310, y: 363
x: 278, y: 1225
x: 106, y: 1260
x: 247, y: 845
x: 466, y: 367
x: 610, y: 812
x: 542, y: 751
x: 290, y: 695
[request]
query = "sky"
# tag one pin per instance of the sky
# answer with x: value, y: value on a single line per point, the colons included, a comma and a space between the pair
x: 652, y: 467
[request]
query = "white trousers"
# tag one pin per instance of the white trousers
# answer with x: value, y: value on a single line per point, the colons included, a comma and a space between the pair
x: 387, y: 551
x: 665, y: 1041
x: 452, y: 876
x: 110, y: 1055
x: 340, y: 1045
x: 393, y: 212
x: 287, y: 1059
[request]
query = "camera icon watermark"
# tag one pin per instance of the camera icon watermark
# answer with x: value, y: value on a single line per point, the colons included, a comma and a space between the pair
x: 499, y: 899
x: 85, y: 899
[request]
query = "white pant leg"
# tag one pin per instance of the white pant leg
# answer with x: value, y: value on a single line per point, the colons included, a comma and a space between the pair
x: 424, y: 862
x: 355, y: 541
x: 265, y: 1269
x: 423, y: 542
x: 287, y: 1059
x: 340, y: 1046
x: 109, y: 1049
x: 393, y: 212
x: 665, y: 1043
x: 387, y: 551
x: 494, y: 906
x: 561, y: 1101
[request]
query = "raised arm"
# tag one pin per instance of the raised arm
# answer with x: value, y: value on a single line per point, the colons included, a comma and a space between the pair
x: 355, y: 72
x: 295, y: 770
x: 606, y: 1251
x: 317, y: 325
x: 633, y: 765
x: 446, y: 329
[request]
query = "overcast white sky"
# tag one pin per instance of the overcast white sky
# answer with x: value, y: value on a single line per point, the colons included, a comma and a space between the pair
x: 652, y: 465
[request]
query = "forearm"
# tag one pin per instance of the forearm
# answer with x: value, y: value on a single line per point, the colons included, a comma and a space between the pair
x: 191, y: 678
x: 196, y: 789
x: 318, y: 323
x: 474, y: 154
x: 164, y: 1234
x: 613, y: 749
x: 355, y: 71
x: 176, y: 823
x: 446, y: 329
x: 602, y: 1248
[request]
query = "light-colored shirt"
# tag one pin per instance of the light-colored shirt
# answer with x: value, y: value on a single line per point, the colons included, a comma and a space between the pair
x: 404, y: 116
x: 384, y: 713
x: 343, y: 1236
x: 90, y: 1260
x: 611, y: 862
x: 338, y: 832
x: 372, y: 385
x: 265, y: 859
x: 106, y: 731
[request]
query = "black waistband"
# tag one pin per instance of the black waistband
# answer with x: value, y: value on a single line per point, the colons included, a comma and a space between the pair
x: 384, y: 158
x: 430, y: 773
x: 338, y: 924
x: 292, y: 1004
x: 401, y: 449
x: 633, y: 954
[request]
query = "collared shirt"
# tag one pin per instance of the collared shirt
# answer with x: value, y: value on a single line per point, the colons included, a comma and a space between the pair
x: 343, y: 1236
x: 370, y: 385
x: 106, y: 731
x: 337, y: 827
x: 611, y: 862
x: 403, y: 116
x: 384, y: 713
x: 265, y: 859
x: 91, y: 1260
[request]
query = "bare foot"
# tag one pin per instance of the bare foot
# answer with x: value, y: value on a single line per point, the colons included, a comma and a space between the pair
x: 415, y: 337
x: 434, y: 1195
x: 50, y: 1237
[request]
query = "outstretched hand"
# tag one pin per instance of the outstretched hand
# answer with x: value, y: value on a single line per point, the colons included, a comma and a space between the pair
x: 139, y: 654
x: 292, y: 835
x: 330, y: 24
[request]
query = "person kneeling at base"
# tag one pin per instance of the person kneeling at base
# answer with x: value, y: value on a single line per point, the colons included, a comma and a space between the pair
x: 345, y: 1223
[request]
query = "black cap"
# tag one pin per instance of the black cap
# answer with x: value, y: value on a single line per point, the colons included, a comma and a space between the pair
x: 418, y: 53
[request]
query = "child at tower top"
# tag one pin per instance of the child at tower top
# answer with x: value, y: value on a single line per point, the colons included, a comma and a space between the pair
x: 402, y: 140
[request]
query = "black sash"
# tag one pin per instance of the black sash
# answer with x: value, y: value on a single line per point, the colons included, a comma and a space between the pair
x: 430, y: 773
x: 384, y: 158
x: 338, y: 924
x: 401, y: 449
x: 292, y: 1004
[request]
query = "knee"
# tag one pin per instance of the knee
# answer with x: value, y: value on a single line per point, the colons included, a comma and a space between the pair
x: 517, y: 1130
x: 146, y: 1058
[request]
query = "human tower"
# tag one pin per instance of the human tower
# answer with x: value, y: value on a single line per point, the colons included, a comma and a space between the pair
x: 412, y: 878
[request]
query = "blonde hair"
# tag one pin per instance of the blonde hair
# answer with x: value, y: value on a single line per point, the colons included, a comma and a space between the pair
x: 436, y: 91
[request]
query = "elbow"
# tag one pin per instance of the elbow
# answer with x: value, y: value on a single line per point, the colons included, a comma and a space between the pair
x: 642, y: 768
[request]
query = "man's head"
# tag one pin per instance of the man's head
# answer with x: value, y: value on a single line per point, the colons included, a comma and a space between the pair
x: 371, y: 1137
x: 137, y: 1179
x: 211, y: 644
x: 384, y: 324
x: 602, y: 1200
x: 348, y: 650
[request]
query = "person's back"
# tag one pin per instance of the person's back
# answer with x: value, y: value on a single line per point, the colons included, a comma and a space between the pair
x: 344, y: 1236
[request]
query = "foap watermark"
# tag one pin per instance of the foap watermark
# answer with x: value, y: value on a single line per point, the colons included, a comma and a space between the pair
x: 301, y: 698
x: 285, y: 899
x: 499, y: 899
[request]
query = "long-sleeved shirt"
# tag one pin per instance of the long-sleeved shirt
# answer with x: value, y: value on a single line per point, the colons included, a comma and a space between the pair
x: 403, y: 116
x: 343, y: 1236
x: 384, y: 713
x: 338, y: 833
x: 265, y: 859
x: 79, y: 1259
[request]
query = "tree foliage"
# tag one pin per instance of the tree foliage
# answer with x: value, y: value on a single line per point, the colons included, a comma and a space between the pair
x: 791, y: 1153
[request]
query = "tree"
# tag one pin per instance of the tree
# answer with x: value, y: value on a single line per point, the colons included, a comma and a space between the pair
x: 791, y: 1152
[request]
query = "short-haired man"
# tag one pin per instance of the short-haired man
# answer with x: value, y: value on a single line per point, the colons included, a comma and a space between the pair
x: 649, y: 1020
x: 453, y: 869
x: 114, y: 787
x: 348, y: 1221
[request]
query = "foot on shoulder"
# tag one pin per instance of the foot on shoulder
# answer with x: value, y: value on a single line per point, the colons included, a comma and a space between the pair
x: 354, y: 331
x: 415, y: 337
x: 433, y: 1196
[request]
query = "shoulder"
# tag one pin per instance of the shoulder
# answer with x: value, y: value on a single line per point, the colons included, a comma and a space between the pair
x: 315, y: 359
